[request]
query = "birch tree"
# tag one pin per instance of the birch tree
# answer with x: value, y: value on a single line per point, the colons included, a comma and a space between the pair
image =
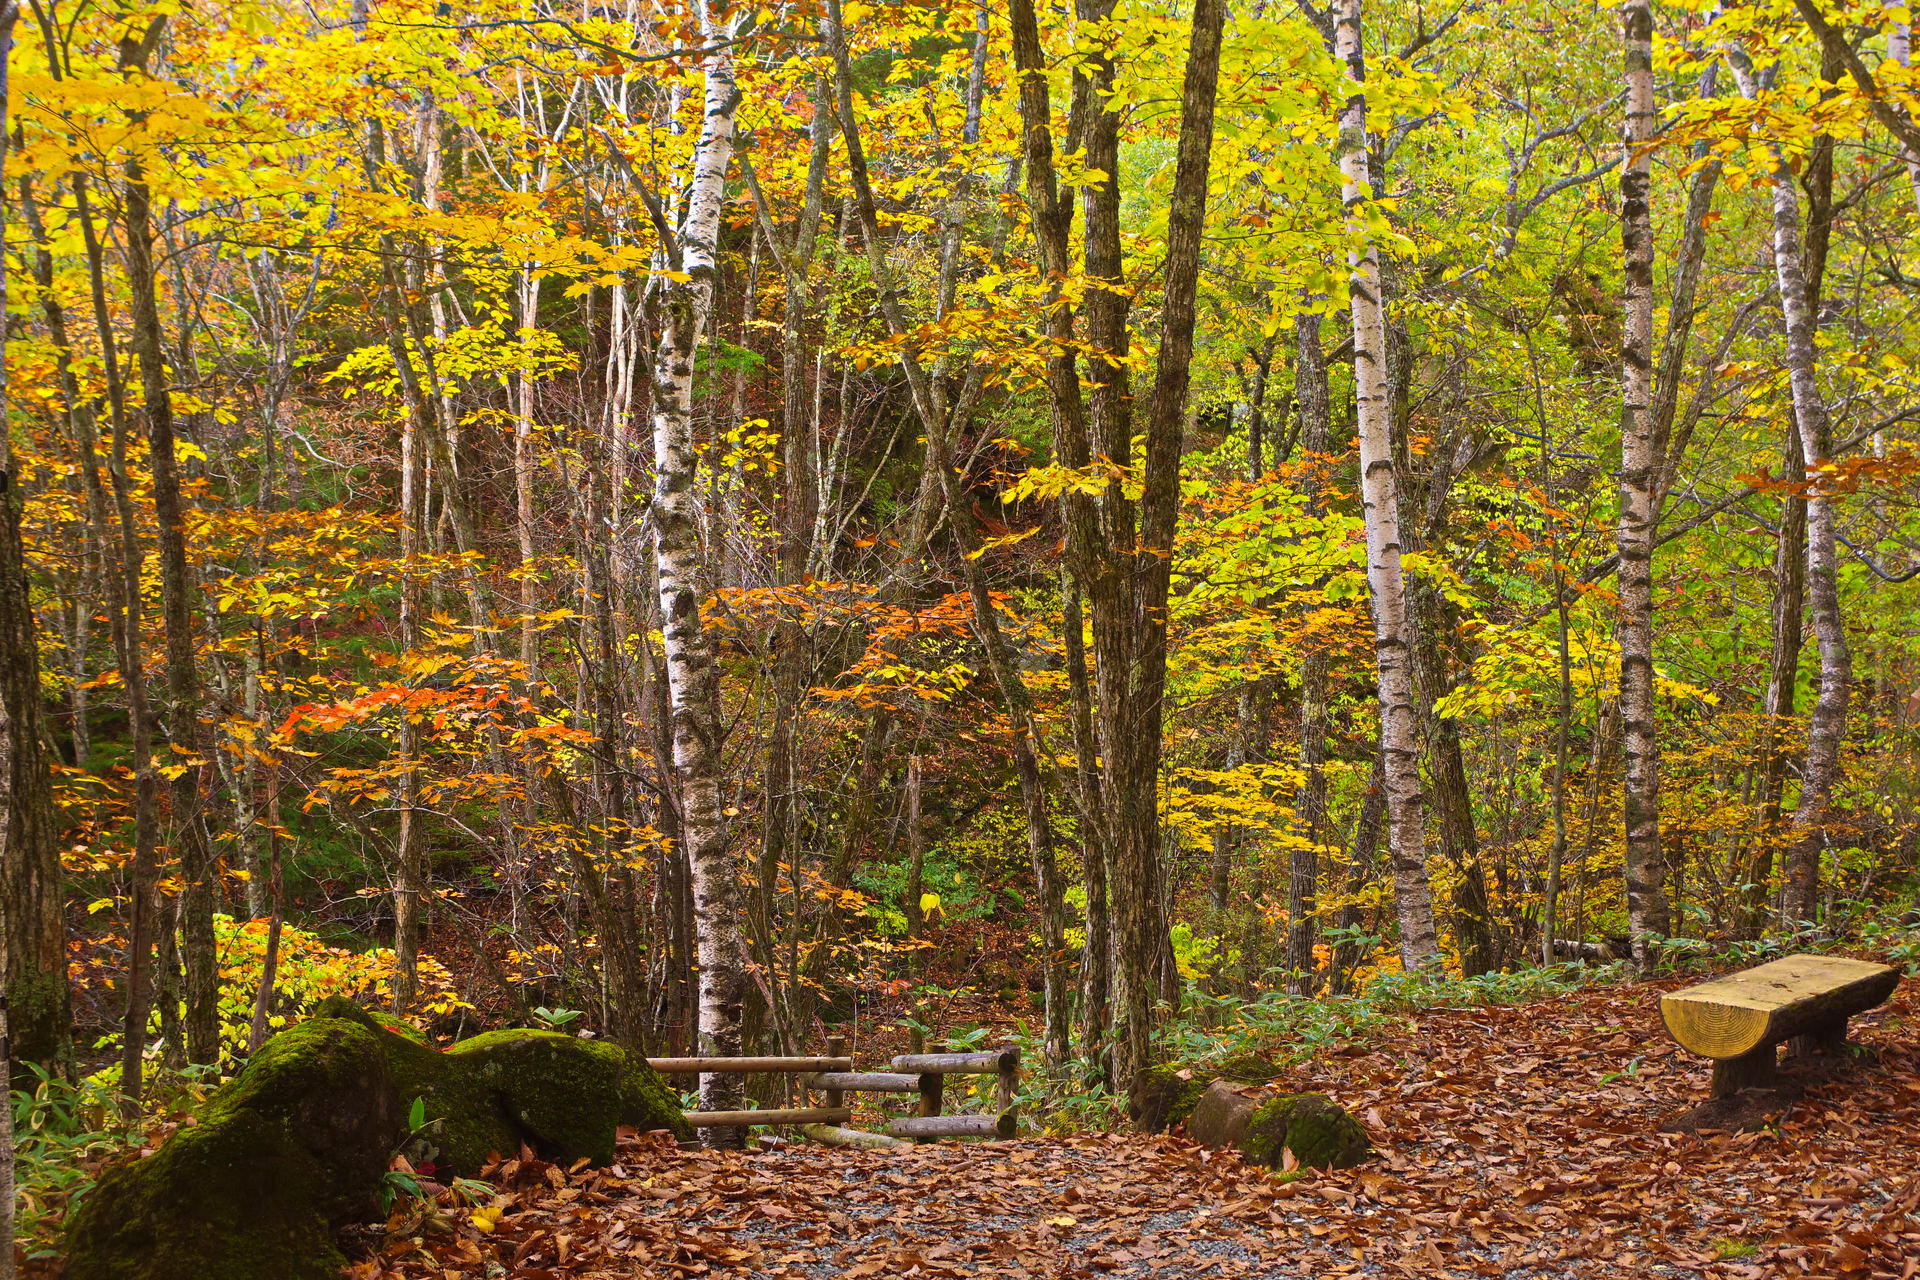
x: 1827, y: 723
x: 1647, y: 916
x: 1399, y: 722
x: 692, y: 680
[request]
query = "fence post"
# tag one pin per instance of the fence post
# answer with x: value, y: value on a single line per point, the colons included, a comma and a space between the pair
x: 932, y: 1084
x: 836, y: 1048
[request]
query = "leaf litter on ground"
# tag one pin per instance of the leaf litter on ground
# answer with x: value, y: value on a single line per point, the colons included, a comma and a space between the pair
x: 1520, y: 1142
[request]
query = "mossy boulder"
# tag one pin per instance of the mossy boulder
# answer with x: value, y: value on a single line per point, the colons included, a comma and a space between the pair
x: 1162, y: 1097
x: 1265, y: 1127
x: 1315, y: 1128
x: 297, y: 1144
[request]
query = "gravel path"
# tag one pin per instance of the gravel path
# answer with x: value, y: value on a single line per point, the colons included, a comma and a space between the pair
x: 1518, y: 1142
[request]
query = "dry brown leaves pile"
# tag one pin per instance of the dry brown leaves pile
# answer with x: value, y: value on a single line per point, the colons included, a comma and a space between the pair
x: 1514, y: 1142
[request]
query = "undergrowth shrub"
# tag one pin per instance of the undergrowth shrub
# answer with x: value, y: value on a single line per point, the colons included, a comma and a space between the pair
x: 308, y: 971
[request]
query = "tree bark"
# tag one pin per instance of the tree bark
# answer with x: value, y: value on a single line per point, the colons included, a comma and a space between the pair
x: 1141, y: 911
x: 692, y: 679
x: 1648, y: 918
x: 1096, y: 962
x: 1787, y: 637
x: 1562, y: 729
x: 936, y: 419
x: 125, y: 619
x: 1399, y: 720
x: 1900, y: 49
x: 1361, y: 850
x: 1827, y: 724
x: 1315, y: 402
x: 32, y: 903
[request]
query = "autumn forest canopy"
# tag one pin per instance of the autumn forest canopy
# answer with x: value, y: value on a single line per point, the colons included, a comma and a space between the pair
x: 716, y: 525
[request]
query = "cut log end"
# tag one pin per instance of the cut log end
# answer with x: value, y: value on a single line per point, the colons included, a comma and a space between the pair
x: 1711, y: 1029
x: 1800, y: 995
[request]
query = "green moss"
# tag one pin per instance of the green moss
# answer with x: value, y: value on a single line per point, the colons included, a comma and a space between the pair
x: 1160, y: 1098
x: 399, y: 1026
x: 297, y: 1144
x: 254, y: 1188
x: 560, y: 1089
x: 1249, y: 1068
x: 1320, y: 1134
x: 38, y: 1025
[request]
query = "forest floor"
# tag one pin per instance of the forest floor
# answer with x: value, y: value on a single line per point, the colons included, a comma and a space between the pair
x: 1519, y: 1142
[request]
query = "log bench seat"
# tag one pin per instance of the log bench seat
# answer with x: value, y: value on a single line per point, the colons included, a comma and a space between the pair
x: 1740, y: 1020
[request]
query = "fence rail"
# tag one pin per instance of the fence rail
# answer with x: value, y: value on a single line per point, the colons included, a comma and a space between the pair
x: 834, y: 1076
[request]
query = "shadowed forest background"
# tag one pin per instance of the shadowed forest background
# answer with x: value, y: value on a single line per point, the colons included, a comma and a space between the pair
x: 709, y: 525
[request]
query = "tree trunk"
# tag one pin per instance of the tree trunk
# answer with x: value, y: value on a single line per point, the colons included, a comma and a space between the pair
x: 123, y: 593
x: 799, y: 501
x: 1452, y: 793
x: 1827, y: 725
x: 1900, y: 49
x: 1648, y: 919
x: 1141, y: 911
x: 692, y: 679
x: 1096, y: 960
x: 1349, y: 954
x: 1399, y: 720
x: 1557, y: 852
x: 32, y: 903
x: 276, y: 891
x: 411, y: 864
x: 936, y: 420
x: 916, y: 859
x: 1316, y: 438
x: 1783, y: 678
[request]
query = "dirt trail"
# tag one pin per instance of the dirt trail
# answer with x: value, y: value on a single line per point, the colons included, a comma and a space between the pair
x: 1511, y: 1145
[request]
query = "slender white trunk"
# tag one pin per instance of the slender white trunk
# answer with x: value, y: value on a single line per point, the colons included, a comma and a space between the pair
x: 692, y: 679
x: 1900, y: 49
x: 1827, y: 724
x: 529, y: 289
x: 1399, y: 727
x: 1647, y: 916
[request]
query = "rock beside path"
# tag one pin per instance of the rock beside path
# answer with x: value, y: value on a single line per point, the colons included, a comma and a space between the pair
x: 1267, y: 1127
x: 298, y: 1143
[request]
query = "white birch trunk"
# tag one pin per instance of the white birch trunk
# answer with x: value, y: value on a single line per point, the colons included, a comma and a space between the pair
x: 1399, y: 727
x: 692, y: 679
x: 1827, y: 724
x: 1647, y: 916
x: 1900, y: 49
x: 523, y: 460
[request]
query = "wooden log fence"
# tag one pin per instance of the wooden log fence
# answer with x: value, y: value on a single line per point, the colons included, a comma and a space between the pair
x: 833, y: 1075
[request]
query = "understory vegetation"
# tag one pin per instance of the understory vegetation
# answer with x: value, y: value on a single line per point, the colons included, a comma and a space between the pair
x: 1159, y: 532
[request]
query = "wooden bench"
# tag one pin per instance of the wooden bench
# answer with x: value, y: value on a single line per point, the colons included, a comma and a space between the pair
x: 1741, y: 1019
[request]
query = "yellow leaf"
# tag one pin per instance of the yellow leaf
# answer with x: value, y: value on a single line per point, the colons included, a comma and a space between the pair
x: 929, y: 904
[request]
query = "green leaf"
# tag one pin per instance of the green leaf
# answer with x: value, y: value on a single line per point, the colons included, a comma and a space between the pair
x: 417, y: 1117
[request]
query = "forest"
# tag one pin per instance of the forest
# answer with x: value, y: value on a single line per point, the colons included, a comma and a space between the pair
x: 1144, y: 531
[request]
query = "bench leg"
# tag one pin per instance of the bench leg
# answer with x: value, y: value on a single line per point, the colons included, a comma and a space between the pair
x: 1749, y: 1071
x: 1829, y: 1039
